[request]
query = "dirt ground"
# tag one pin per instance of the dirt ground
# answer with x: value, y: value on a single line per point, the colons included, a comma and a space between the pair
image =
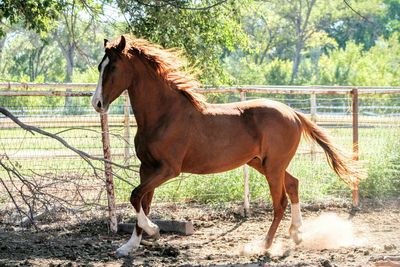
x: 332, y: 237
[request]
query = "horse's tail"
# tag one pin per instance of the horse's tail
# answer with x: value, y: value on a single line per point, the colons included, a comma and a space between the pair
x: 349, y: 170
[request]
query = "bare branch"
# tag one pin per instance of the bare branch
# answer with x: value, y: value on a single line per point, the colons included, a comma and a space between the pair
x: 20, y: 211
x: 356, y: 12
x: 84, y: 155
x: 34, y: 196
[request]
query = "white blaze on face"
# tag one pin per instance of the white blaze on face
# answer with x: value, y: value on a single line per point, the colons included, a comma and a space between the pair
x: 97, y: 99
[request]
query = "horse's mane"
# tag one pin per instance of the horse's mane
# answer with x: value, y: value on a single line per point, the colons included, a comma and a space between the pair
x: 168, y: 65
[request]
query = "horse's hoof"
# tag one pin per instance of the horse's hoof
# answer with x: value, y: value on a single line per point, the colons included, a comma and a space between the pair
x: 267, y: 243
x: 296, y: 237
x: 120, y: 253
x: 156, y: 235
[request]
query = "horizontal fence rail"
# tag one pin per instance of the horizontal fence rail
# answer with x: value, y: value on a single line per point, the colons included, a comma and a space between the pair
x: 277, y: 89
x: 365, y: 120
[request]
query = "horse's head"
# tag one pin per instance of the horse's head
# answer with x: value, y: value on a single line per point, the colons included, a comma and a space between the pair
x: 114, y: 78
x: 136, y: 63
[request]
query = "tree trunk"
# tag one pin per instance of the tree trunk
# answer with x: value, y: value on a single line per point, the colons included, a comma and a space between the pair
x: 69, y: 56
x: 296, y: 60
x: 2, y: 42
x: 301, y: 24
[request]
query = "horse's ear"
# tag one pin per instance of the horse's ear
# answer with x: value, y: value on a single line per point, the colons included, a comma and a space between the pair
x: 121, y: 45
x: 105, y: 42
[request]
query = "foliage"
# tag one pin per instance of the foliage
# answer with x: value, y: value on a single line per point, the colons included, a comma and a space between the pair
x: 383, y: 174
x: 363, y: 27
x: 73, y: 32
x: 233, y: 42
x: 320, y: 48
x: 204, y: 35
x: 378, y: 147
x: 27, y: 57
x: 34, y: 14
x: 380, y: 65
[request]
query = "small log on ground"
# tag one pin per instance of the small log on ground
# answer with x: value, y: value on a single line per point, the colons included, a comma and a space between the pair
x: 181, y: 227
x: 28, y: 221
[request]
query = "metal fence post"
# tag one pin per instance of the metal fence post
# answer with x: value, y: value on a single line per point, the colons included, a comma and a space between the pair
x: 246, y: 199
x: 108, y: 173
x: 126, y: 130
x: 313, y: 111
x: 354, y: 93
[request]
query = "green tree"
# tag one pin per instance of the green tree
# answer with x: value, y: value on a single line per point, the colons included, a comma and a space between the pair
x: 303, y: 18
x: 361, y: 22
x: 266, y: 31
x: 74, y: 27
x: 204, y: 34
x: 27, y: 57
x: 392, y: 17
x: 34, y: 14
x: 379, y: 66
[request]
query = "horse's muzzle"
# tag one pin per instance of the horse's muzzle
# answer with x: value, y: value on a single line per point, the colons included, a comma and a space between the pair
x: 99, y: 105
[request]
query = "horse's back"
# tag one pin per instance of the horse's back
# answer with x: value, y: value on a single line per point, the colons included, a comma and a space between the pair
x: 260, y: 111
x: 229, y: 135
x: 277, y: 121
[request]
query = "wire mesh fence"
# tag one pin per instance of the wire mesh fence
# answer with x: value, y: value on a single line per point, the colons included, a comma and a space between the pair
x: 43, y: 173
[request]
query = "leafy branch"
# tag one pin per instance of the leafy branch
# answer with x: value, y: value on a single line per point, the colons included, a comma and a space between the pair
x: 173, y: 3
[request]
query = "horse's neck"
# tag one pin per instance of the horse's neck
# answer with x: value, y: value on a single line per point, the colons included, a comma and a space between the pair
x: 152, y: 101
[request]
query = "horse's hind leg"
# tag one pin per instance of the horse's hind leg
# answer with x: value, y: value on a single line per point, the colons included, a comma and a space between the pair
x: 292, y: 189
x: 276, y: 176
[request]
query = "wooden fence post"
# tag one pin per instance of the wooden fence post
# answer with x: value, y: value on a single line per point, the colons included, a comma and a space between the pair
x: 313, y: 111
x: 354, y: 93
x: 355, y: 111
x: 108, y: 173
x: 126, y: 130
x: 246, y: 199
x: 68, y: 102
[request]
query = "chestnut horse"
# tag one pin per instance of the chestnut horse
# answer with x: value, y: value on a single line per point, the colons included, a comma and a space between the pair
x: 177, y: 131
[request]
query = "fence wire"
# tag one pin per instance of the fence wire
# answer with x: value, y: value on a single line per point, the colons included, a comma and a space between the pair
x: 41, y: 173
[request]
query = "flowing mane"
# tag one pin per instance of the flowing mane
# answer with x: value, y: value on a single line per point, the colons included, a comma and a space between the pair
x: 169, y: 65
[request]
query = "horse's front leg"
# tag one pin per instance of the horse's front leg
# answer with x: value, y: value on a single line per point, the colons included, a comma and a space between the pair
x: 141, y: 199
x: 136, y: 237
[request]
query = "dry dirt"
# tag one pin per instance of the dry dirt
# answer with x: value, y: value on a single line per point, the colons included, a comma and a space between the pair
x: 332, y: 237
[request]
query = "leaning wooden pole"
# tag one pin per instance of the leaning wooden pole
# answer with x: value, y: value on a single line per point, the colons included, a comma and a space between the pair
x: 355, y: 111
x: 105, y: 134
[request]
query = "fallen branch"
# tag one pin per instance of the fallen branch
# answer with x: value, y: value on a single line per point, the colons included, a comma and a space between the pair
x: 84, y: 155
x: 34, y: 195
